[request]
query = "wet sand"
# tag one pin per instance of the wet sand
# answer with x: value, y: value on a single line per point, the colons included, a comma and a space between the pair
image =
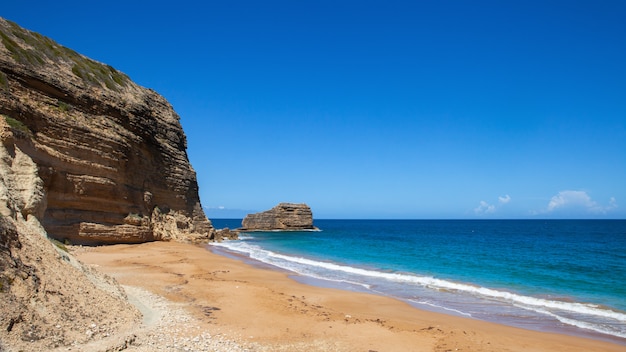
x: 265, y: 310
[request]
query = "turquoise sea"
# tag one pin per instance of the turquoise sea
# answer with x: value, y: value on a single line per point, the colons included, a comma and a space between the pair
x: 566, y: 276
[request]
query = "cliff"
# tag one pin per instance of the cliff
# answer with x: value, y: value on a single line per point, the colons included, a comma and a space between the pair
x: 86, y: 156
x: 109, y: 156
x: 284, y: 216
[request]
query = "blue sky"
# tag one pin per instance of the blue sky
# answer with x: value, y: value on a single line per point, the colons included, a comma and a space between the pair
x: 378, y: 109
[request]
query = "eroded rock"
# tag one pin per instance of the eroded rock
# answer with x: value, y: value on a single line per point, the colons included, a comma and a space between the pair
x: 111, y: 155
x: 284, y: 216
x: 46, y: 297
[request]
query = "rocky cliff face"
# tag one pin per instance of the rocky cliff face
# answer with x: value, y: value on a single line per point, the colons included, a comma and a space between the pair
x: 86, y: 156
x: 284, y: 216
x: 47, y: 299
x: 109, y: 156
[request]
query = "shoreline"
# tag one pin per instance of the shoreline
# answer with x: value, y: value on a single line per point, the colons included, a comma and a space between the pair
x: 266, y: 309
x: 538, y: 326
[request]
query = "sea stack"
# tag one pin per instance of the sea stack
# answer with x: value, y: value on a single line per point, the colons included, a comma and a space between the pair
x: 283, y: 217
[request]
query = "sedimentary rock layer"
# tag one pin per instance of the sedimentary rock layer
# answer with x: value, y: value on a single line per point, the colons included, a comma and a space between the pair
x: 47, y: 299
x: 284, y: 216
x: 110, y: 155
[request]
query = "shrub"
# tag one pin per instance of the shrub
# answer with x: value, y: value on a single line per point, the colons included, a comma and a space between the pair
x: 17, y: 125
x: 39, y: 48
x: 96, y: 73
x: 4, y: 81
x: 24, y: 56
x: 65, y: 107
x: 59, y: 245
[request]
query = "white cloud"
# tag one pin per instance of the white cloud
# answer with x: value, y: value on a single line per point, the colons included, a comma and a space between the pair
x: 505, y: 199
x: 578, y: 200
x: 484, y: 208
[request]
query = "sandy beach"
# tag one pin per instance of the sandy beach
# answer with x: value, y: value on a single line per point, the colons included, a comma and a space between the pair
x: 193, y: 299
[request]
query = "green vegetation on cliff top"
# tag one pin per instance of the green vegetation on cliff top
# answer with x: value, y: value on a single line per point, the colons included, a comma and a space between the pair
x: 30, y: 48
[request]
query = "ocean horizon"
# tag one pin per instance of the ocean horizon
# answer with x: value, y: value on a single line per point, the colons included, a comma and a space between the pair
x: 564, y: 276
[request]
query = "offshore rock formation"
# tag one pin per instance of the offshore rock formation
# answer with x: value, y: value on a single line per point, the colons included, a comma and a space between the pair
x: 101, y: 159
x: 284, y: 216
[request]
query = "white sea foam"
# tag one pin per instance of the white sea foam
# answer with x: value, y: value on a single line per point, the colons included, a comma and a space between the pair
x: 245, y: 236
x: 601, y: 328
x: 440, y: 307
x: 565, y: 312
